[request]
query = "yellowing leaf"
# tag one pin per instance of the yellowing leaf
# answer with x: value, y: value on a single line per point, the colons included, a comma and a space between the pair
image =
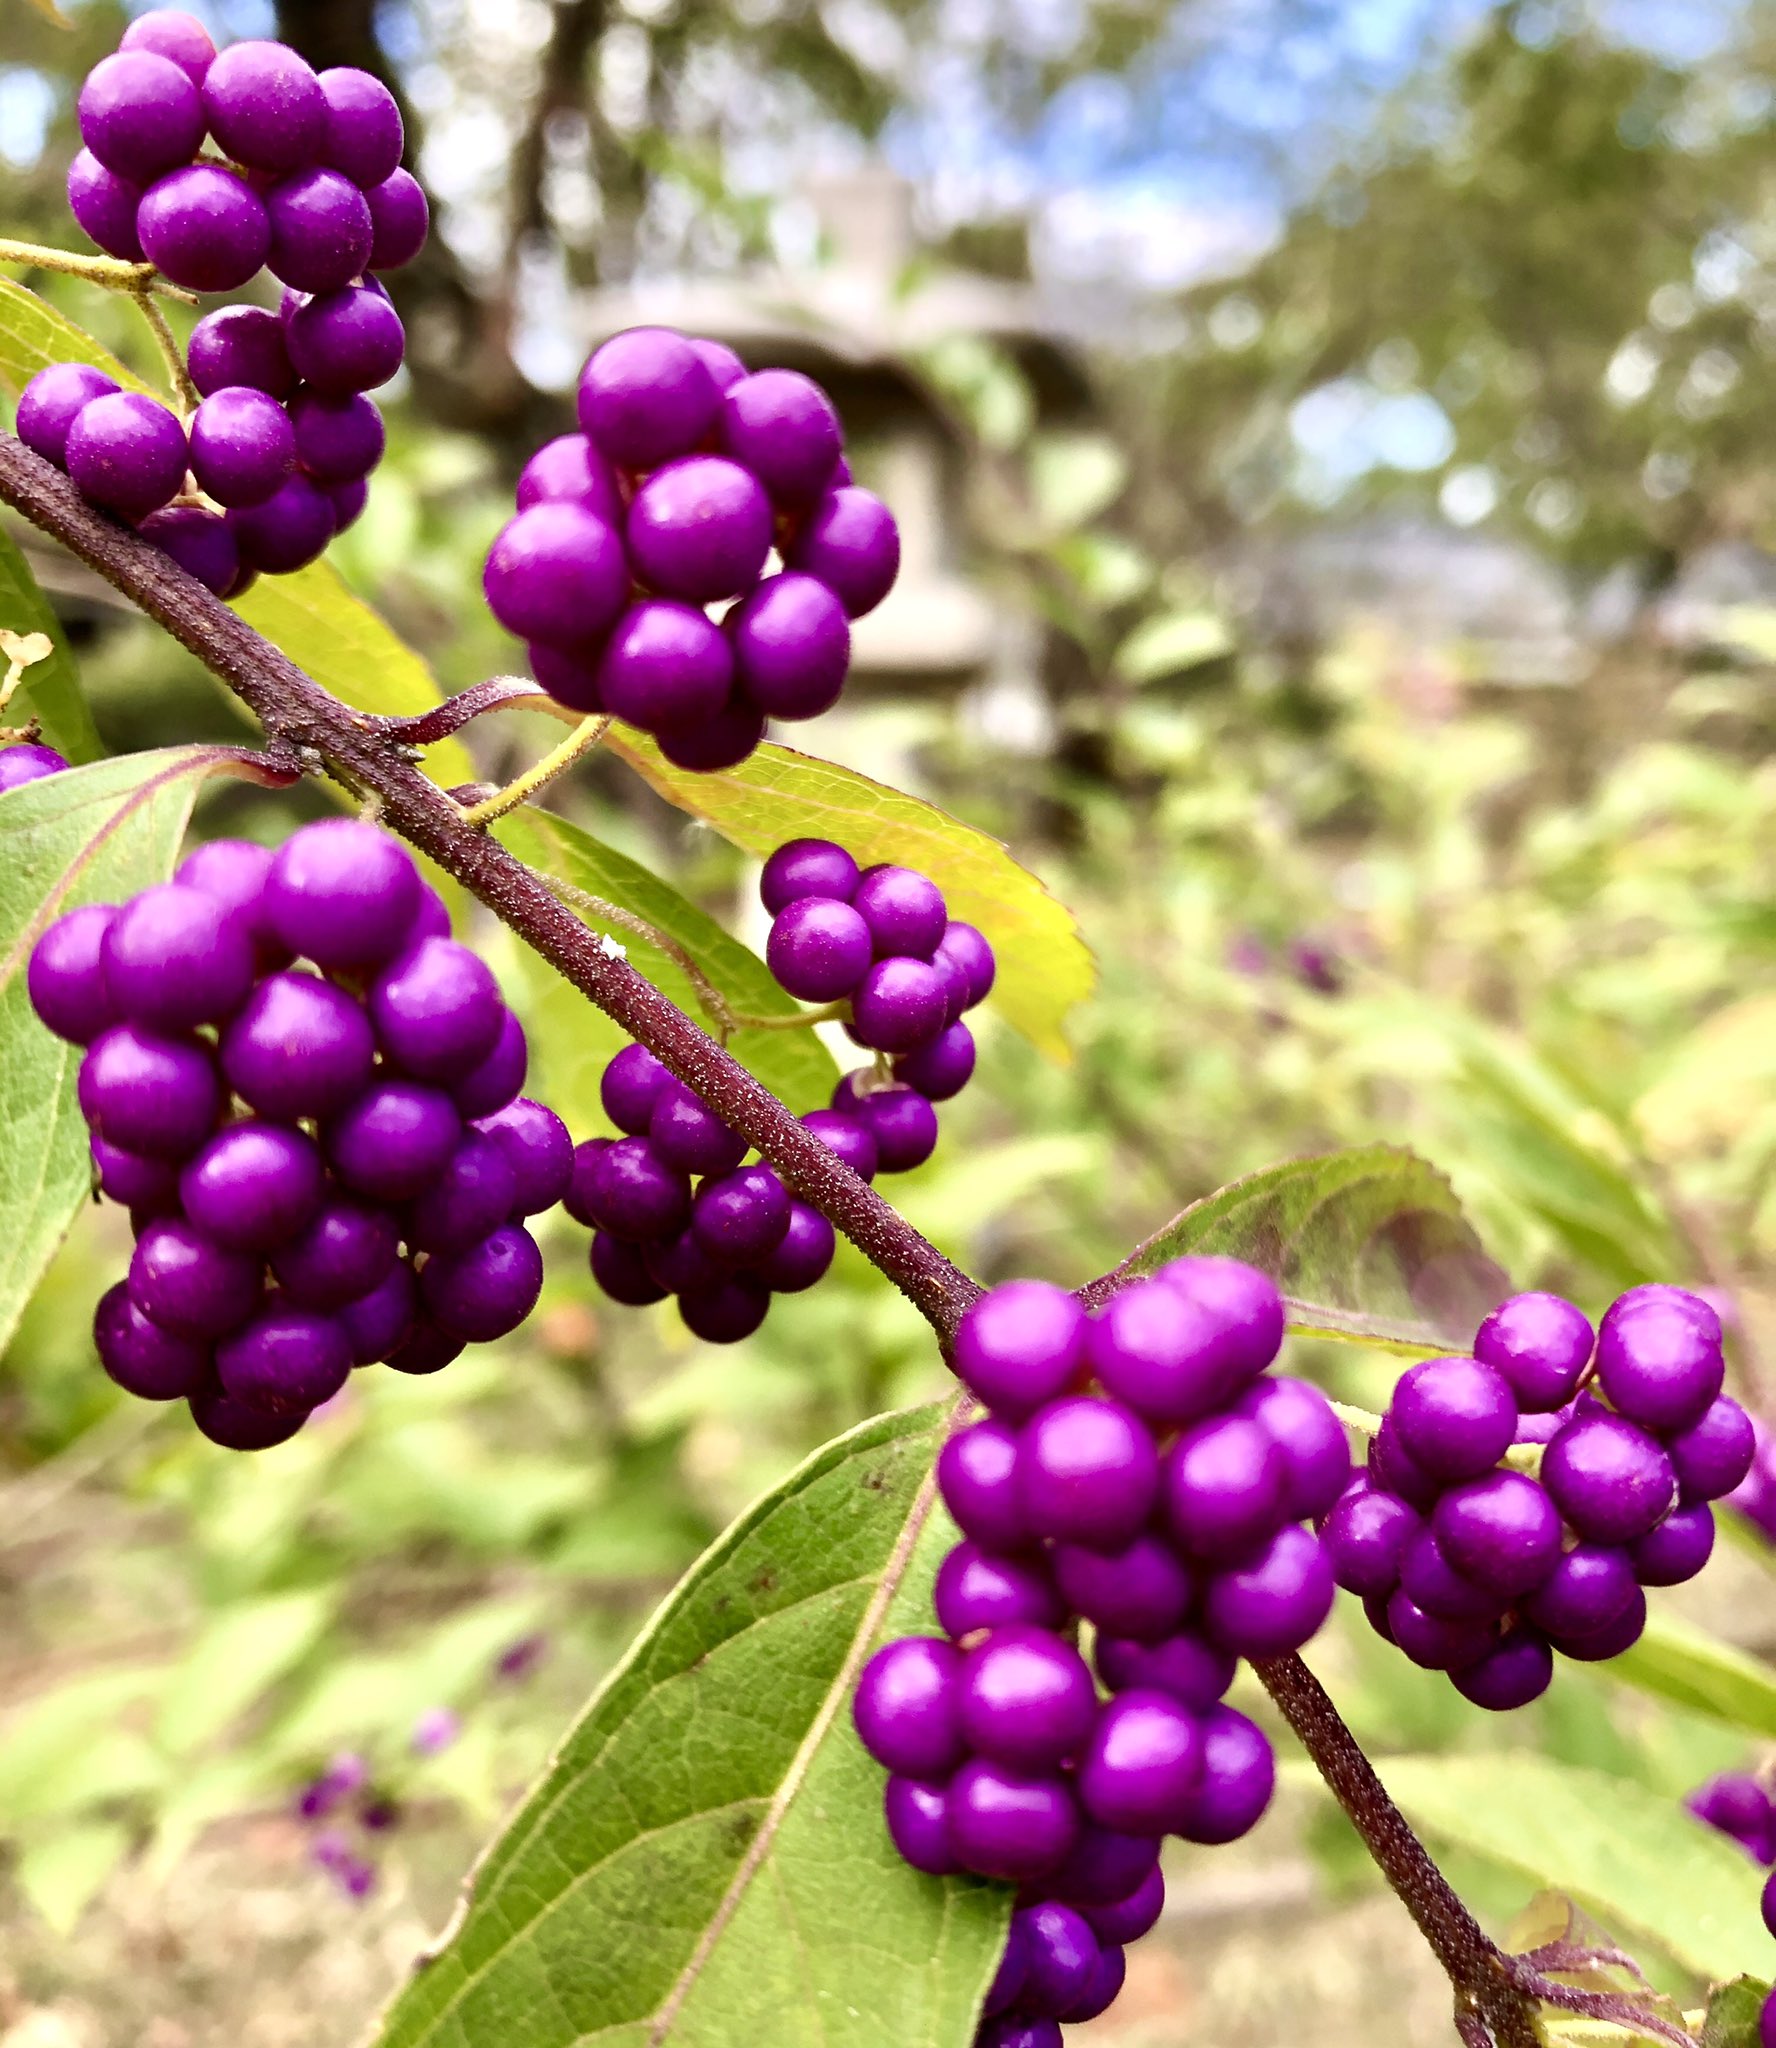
x: 33, y: 335
x: 1703, y: 1091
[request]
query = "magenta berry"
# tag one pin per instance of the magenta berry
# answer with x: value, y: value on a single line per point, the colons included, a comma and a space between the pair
x: 908, y: 1707
x: 1087, y: 1472
x: 1020, y: 1346
x: 647, y: 396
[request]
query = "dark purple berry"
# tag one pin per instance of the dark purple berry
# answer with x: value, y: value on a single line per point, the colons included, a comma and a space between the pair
x: 630, y: 1087
x: 908, y: 1707
x: 727, y: 1312
x: 740, y: 1218
x: 52, y: 400
x: 144, y: 1185
x: 190, y: 1285
x: 242, y: 446
x: 364, y: 134
x: 1392, y: 1469
x: 570, y: 468
x: 288, y: 531
x: 1540, y: 1345
x: 1659, y: 1357
x: 1087, y: 1472
x: 1225, y: 1489
x: 898, y: 1006
x: 1587, y: 1589
x: 975, y: 1590
x: 538, y: 1150
x: 819, y: 950
x: 1609, y: 1478
x: 1276, y: 1603
x: 1020, y: 1345
x: 849, y: 540
x: 1430, y: 1581
x: 1674, y: 1552
x: 201, y: 542
x: 915, y: 1814
x: 150, y: 1092
x: 400, y: 218
x: 486, y: 1291
x: 969, y: 951
x: 240, y: 346
x: 140, y: 114
x: 792, y: 647
x: 1008, y: 1978
x: 254, y: 1186
x: 343, y: 894
x: 287, y: 1360
x: 126, y: 452
x: 1518, y: 1671
x: 204, y: 228
x: 1009, y: 1825
x: 299, y: 1047
x: 1126, y: 1920
x: 646, y: 396
x: 1455, y: 1417
x: 781, y: 426
x: 1104, y: 1866
x: 265, y: 106
x: 347, y: 1251
x: 20, y: 762
x: 173, y: 957
x: 1188, y: 1669
x: 723, y: 742
x: 1600, y: 1645
x: 804, y: 1253
x: 376, y: 1324
x: 473, y: 1195
x: 1299, y: 1420
x: 492, y: 1084
x: 977, y: 1476
x: 320, y: 231
x: 1502, y: 1532
x: 65, y: 978
x: 629, y: 1190
x: 905, y: 913
x: 623, y: 1271
x: 556, y: 574
x: 336, y: 440
x: 942, y: 1069
x: 144, y: 1359
x: 1142, y: 1592
x: 105, y: 206
x: 239, y: 1425
x: 1026, y: 1698
x: 345, y: 341
x: 846, y: 1136
x: 427, y: 1348
x: 437, y: 1011
x: 1015, y: 2030
x: 1713, y: 1455
x: 1142, y: 1763
x: 666, y: 667
x: 393, y: 1141
x: 699, y: 529
x: 1063, y: 1954
x: 347, y: 502
x: 900, y: 1121
x: 805, y: 867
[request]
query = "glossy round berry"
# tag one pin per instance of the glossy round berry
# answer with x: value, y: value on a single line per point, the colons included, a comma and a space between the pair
x: 265, y: 106
x: 666, y: 668
x: 647, y: 395
x: 781, y: 426
x: 1126, y: 1920
x: 1518, y: 1671
x: 486, y: 1291
x: 240, y: 346
x: 147, y: 1186
x: 65, y: 978
x: 941, y: 1070
x: 320, y: 231
x: 904, y: 911
x: 345, y: 341
x: 337, y: 440
x: 630, y: 1086
x: 1609, y: 1478
x: 1225, y: 1488
x: 1063, y: 1955
x: 898, y: 1006
x: 180, y: 38
x: 144, y: 1359
x: 51, y: 402
x: 239, y: 1425
x: 105, y: 206
x: 1602, y: 1644
x: 1275, y: 1604
x: 1142, y: 1592
x: 740, y: 1218
x: 805, y: 867
x: 726, y: 1312
x: 493, y: 1083
x: 473, y: 1196
x: 1674, y: 1552
x: 1238, y: 1778
x: 1008, y: 1978
x: 204, y: 228
x: 126, y: 453
x: 150, y: 1091
x: 1087, y: 1473
x: 201, y: 542
x: 242, y: 446
x: 437, y: 1011
x: 846, y: 1136
x: 1020, y: 1345
x: 1659, y: 1357
x: 901, y: 1123
x: 140, y: 114
x: 968, y: 951
x: 347, y: 1251
x: 190, y: 1285
x: 1142, y: 1762
x: 401, y: 218
x: 1016, y: 2030
x: 1432, y: 1643
x: 623, y: 1271
x: 1186, y: 1667
x: 792, y: 647
x: 629, y: 1190
x: 299, y: 1047
x: 392, y: 1141
x: 803, y: 1254
x: 1713, y: 1455
x: 1430, y: 1581
x: 1026, y: 1698
x: 1008, y: 1824
x: 570, y: 468
x: 287, y: 1360
x: 1104, y: 1866
x: 343, y: 894
x: 1455, y: 1417
x: 1299, y: 1420
x: 686, y: 1134
x: 1399, y: 1474
x: 818, y: 949
x: 287, y: 532
x: 21, y: 763
x: 1738, y: 1806
x: 427, y: 1348
x: 977, y: 1476
x: 254, y: 1186
x: 849, y: 540
x: 1174, y: 1353
x: 1540, y: 1345
x: 364, y: 134
x: 975, y: 1590
x: 699, y: 529
x: 174, y: 957
x: 1588, y: 1588
x: 908, y: 1707
x: 556, y: 574
x: 378, y: 1323
x: 537, y: 1148
x: 915, y: 1814
x: 1502, y: 1532
x: 724, y: 742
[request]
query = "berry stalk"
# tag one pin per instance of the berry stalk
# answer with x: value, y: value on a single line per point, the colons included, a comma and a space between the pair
x: 113, y: 273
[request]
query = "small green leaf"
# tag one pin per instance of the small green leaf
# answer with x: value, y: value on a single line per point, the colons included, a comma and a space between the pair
x: 33, y: 335
x: 1632, y: 1856
x: 94, y: 835
x: 705, y: 1864
x: 794, y: 1065
x: 243, y: 1651
x: 1368, y: 1245
x: 1074, y: 477
x: 1733, y: 2009
x: 1675, y: 1661
x: 334, y: 636
x: 69, y: 1748
x: 62, y: 1874
x: 50, y: 690
x: 1173, y: 643
x: 776, y: 794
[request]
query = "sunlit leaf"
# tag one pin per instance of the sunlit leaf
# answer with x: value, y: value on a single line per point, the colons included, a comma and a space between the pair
x: 64, y: 1871
x: 243, y: 1650
x: 33, y: 334
x: 1074, y: 477
x: 50, y: 689
x: 1732, y: 2018
x: 1172, y: 643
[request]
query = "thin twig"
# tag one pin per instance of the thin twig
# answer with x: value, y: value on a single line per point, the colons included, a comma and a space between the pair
x: 557, y: 761
x: 111, y: 273
x: 498, y: 693
x: 171, y: 354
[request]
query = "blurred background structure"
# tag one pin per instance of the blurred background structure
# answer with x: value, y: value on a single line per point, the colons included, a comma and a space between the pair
x: 1332, y: 440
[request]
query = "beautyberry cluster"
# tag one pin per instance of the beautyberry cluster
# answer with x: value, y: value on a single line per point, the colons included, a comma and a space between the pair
x: 1144, y: 1471
x: 673, y: 1208
x: 353, y: 1136
x: 636, y: 566
x: 274, y: 461
x: 1477, y: 1568
x: 26, y: 762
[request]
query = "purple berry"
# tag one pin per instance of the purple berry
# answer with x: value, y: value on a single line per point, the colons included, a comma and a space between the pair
x: 846, y: 1136
x: 1063, y: 1954
x: 699, y: 529
x: 849, y: 540
x: 347, y: 502
x: 190, y: 1285
x: 1454, y: 1416
x: 1088, y: 1472
x: 242, y: 446
x: 623, y: 1271
x: 1179, y: 1349
x: 473, y: 1196
x: 1674, y: 1552
x: 150, y: 1186
x: 149, y: 1091
x: 968, y: 951
x: 1518, y: 1671
x: 1008, y: 1978
x: 1188, y: 1669
x: 1392, y: 1469
x: 727, y: 1312
x: 804, y: 1253
x: 105, y: 206
x: 52, y: 401
x: 174, y: 957
x: 364, y: 134
x: 1141, y: 1764
x: 1225, y: 1487
x: 792, y: 647
x: 723, y: 742
x: 908, y: 1707
x: 1026, y: 1698
x: 1102, y: 1989
x: 556, y: 574
x: 1599, y: 1645
x: 265, y: 107
x: 1299, y: 1420
x: 240, y: 346
x: 1275, y: 1604
x: 666, y: 667
x: 898, y: 1006
x: 804, y: 867
x: 570, y: 468
x: 1238, y: 1778
x: 21, y: 763
x: 126, y: 453
x: 239, y: 1425
x: 719, y: 360
x: 320, y: 231
x: 287, y: 532
x: 1609, y: 1478
x: 537, y: 1148
x: 1767, y: 1903
x: 66, y: 979
x: 1737, y: 1806
x: 915, y: 1814
x: 942, y: 1069
x: 377, y: 1324
x: 254, y: 1186
x: 1008, y: 1824
x: 1540, y: 1345
x: 740, y: 1218
x: 437, y: 1011
x: 492, y: 1084
x: 393, y: 1141
x: 145, y: 1360
x: 975, y: 1590
x: 629, y: 1190
x: 1126, y: 1920
x: 781, y: 426
x: 901, y: 1123
x: 1430, y: 1581
x: 201, y: 542
x: 347, y: 1251
x: 904, y: 911
x: 631, y: 1085
x: 1431, y: 1642
x: 345, y: 341
x: 1659, y: 1357
x: 977, y: 1476
x: 204, y: 228
x: 1713, y: 1455
x: 1015, y: 2030
x: 1502, y: 1532
x: 336, y: 440
x: 140, y: 114
x: 1141, y: 1592
x: 645, y: 396
x: 486, y: 1291
x: 343, y: 894
x: 819, y: 950
x: 1587, y: 1589
x: 401, y: 218
x: 1020, y: 1345
x: 298, y: 1048
x: 1104, y: 1866
x: 180, y: 38
x: 286, y: 1360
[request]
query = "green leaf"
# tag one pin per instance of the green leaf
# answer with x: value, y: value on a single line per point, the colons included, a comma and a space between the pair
x: 242, y: 1653
x: 68, y: 1748
x: 705, y: 1864
x: 776, y: 794
x: 1173, y: 643
x: 794, y: 1065
x: 50, y: 690
x: 1733, y: 2010
x: 1632, y: 1856
x: 1368, y: 1245
x: 94, y: 835
x: 334, y: 636
x: 33, y: 335
x: 1675, y: 1661
x: 1074, y: 477
x: 62, y: 1874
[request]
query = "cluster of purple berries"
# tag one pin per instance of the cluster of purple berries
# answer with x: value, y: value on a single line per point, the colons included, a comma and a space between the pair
x: 687, y: 473
x: 358, y: 1131
x: 283, y: 439
x: 26, y: 762
x: 723, y: 1245
x: 1483, y: 1571
x: 1165, y: 1506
